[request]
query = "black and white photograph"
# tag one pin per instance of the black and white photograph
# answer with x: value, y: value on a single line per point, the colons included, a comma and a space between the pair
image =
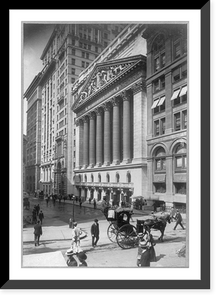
x: 109, y: 141
x: 105, y: 145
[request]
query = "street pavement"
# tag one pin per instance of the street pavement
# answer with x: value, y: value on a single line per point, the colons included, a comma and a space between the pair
x: 56, y: 239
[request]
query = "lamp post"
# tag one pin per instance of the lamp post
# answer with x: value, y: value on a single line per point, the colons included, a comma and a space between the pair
x: 73, y: 210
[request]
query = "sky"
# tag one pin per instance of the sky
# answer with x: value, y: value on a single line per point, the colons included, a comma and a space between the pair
x: 35, y: 38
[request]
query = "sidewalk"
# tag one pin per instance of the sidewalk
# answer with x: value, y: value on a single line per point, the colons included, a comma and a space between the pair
x: 56, y: 239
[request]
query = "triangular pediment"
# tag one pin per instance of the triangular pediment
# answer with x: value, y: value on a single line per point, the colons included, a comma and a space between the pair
x: 103, y: 75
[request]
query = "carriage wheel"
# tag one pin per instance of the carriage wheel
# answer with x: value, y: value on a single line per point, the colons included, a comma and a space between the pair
x: 112, y: 232
x: 127, y: 236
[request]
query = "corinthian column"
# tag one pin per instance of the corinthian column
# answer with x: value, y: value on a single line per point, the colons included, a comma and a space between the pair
x: 99, y: 138
x: 116, y: 131
x: 85, y: 141
x: 107, y: 134
x: 126, y: 128
x: 92, y: 140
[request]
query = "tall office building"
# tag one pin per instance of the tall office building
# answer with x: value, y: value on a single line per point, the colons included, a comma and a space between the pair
x: 70, y: 49
x: 130, y: 108
x: 33, y: 137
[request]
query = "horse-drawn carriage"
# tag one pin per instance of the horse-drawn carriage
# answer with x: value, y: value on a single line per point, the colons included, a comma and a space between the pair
x: 125, y: 234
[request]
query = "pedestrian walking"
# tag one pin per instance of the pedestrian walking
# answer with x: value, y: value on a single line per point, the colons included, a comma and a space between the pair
x: 76, y: 232
x: 95, y: 232
x: 34, y: 216
x: 37, y: 209
x: 71, y: 261
x: 41, y: 216
x: 37, y: 233
x: 179, y: 220
x: 95, y: 204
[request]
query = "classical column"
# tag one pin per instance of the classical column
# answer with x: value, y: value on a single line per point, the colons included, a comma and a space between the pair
x: 99, y: 138
x: 92, y: 140
x: 107, y: 134
x: 86, y: 144
x: 116, y: 131
x: 126, y: 128
x: 79, y: 159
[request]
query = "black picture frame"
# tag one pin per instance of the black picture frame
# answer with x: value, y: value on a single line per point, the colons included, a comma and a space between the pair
x: 204, y: 282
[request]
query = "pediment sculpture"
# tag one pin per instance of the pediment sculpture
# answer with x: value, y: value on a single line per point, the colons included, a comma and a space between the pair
x: 100, y: 78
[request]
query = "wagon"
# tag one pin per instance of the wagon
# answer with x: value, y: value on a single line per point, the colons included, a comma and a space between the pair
x: 125, y: 234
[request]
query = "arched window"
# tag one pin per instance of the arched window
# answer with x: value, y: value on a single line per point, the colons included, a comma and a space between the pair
x: 160, y: 160
x: 108, y: 177
x: 180, y: 158
x: 158, y: 50
x: 117, y: 177
x: 128, y: 177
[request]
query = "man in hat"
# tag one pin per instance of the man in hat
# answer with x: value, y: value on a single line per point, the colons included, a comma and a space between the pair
x: 71, y: 261
x: 76, y: 232
x: 178, y: 219
x: 37, y: 232
x: 95, y: 233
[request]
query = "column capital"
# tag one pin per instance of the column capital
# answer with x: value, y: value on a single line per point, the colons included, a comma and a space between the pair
x: 79, y: 122
x: 138, y: 87
x: 92, y: 115
x: 106, y: 106
x: 115, y: 101
x: 98, y: 111
x: 125, y: 95
x: 85, y: 119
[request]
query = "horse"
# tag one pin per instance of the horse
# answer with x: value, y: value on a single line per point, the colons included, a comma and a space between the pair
x: 159, y: 223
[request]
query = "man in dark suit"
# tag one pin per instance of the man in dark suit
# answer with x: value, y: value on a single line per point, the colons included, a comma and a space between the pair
x: 37, y: 232
x: 179, y: 220
x: 95, y: 232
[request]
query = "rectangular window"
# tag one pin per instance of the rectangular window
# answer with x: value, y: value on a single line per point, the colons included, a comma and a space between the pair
x: 176, y: 75
x: 163, y: 122
x: 157, y: 128
x: 184, y: 119
x: 177, y: 123
x: 163, y: 60
x: 180, y: 188
x: 156, y: 64
x: 177, y: 50
x: 160, y: 187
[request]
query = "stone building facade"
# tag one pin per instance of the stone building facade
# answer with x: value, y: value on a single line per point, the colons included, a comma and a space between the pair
x: 131, y: 117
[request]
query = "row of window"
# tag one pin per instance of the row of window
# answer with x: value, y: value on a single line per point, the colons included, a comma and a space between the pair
x: 179, y: 159
x: 179, y: 96
x: 178, y: 74
x: 179, y: 187
x: 117, y: 178
x: 179, y: 48
x: 179, y: 123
